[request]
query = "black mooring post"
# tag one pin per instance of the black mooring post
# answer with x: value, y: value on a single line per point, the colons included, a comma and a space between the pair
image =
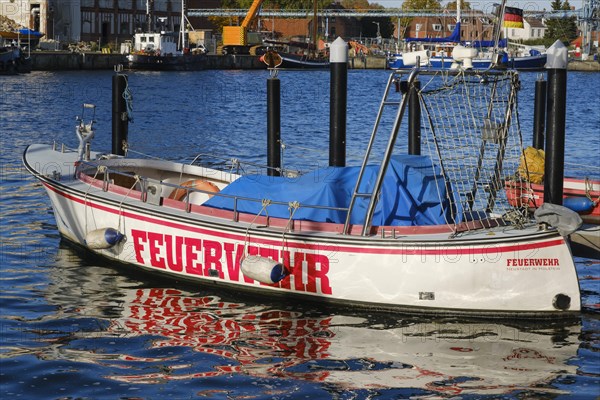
x: 338, y: 59
x: 414, y: 120
x: 274, y: 126
x: 539, y: 113
x: 555, y: 122
x: 120, y: 118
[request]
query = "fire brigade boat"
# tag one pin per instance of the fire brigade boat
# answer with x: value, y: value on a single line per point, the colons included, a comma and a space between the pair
x: 429, y: 233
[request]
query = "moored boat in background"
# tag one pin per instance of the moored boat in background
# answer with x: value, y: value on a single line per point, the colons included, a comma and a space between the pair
x: 13, y: 59
x: 453, y: 52
x: 534, y: 61
x: 158, y: 52
x: 166, y: 51
x: 579, y: 195
x: 9, y: 57
x: 296, y: 61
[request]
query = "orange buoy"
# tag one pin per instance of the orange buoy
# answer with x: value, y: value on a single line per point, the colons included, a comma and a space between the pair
x: 180, y: 193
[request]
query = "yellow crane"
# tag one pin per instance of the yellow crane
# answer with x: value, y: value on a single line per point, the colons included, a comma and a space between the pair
x: 237, y: 39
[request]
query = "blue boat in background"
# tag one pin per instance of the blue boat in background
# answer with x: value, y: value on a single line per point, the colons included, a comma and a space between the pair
x: 535, y: 60
x: 452, y: 53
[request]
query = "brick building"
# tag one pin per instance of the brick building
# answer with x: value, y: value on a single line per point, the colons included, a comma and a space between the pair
x: 478, y: 26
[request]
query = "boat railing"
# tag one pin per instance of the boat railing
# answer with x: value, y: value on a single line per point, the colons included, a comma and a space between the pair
x: 236, y: 199
x: 239, y: 167
x: 373, y: 194
x: 149, y: 192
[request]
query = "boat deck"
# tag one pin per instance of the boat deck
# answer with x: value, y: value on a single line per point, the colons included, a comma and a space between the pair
x: 123, y: 190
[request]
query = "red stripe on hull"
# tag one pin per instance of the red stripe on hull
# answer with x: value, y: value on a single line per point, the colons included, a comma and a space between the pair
x: 460, y: 250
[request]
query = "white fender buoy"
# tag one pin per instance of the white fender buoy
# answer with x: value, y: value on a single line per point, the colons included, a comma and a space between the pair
x: 263, y: 269
x: 104, y: 238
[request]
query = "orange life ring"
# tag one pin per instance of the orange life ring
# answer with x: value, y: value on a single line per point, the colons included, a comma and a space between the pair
x: 180, y: 193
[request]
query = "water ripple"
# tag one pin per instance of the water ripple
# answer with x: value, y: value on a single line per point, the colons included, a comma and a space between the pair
x: 76, y: 326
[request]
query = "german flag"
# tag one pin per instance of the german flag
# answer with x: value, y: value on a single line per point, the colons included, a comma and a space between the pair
x: 513, y: 17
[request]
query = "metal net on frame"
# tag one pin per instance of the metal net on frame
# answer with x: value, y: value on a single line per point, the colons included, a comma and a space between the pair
x: 470, y: 129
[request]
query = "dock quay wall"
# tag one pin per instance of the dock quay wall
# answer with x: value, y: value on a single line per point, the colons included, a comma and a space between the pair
x: 64, y: 60
x: 589, y: 65
x: 57, y: 61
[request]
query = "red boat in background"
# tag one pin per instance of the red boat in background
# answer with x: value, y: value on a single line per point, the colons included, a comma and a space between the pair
x: 580, y: 195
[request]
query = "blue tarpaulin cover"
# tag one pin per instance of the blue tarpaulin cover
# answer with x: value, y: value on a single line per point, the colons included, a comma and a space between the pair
x: 409, y: 194
x: 30, y: 32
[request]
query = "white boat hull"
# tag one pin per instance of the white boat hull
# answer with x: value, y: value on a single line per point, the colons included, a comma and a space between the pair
x: 506, y: 271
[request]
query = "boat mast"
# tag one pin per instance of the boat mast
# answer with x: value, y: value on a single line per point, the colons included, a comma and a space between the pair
x: 315, y: 30
x: 149, y: 16
x: 498, y: 26
x: 182, y: 27
x: 458, y: 7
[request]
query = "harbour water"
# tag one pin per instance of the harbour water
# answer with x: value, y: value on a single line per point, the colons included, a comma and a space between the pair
x: 75, y: 326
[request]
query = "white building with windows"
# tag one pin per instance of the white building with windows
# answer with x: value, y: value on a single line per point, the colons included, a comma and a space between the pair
x: 533, y: 28
x: 100, y: 21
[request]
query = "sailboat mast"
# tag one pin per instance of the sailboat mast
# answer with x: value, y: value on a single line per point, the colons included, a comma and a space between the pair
x: 315, y: 27
x: 458, y: 9
x: 498, y: 26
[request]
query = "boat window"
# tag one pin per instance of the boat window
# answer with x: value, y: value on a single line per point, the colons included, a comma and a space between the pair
x: 151, y: 39
x: 143, y: 39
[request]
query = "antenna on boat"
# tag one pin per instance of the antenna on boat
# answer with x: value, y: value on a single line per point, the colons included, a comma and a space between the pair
x: 121, y: 111
x: 85, y: 132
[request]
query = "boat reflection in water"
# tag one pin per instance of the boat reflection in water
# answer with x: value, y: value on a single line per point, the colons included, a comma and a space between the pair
x: 345, y: 350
